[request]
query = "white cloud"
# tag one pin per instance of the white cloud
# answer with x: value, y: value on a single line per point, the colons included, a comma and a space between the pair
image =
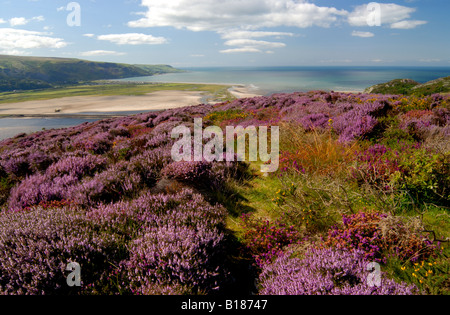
x: 430, y: 60
x: 89, y: 35
x: 101, y: 53
x: 13, y: 41
x: 254, y: 43
x: 245, y: 42
x: 406, y: 25
x: 252, y: 34
x: 241, y: 50
x: 362, y: 34
x: 14, y: 52
x: 39, y: 18
x: 218, y: 15
x: 238, y: 21
x: 2, y: 21
x: 19, y: 21
x: 389, y: 14
x: 133, y: 39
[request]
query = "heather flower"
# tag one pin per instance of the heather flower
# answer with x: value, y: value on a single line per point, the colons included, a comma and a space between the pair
x: 377, y: 235
x: 37, y: 245
x: 326, y: 272
x: 79, y: 167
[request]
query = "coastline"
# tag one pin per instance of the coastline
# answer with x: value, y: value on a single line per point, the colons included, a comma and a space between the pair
x: 99, y: 105
x: 104, y: 105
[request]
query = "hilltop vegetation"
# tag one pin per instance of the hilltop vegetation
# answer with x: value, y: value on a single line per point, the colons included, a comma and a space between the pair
x: 411, y: 87
x: 363, y: 179
x: 29, y: 73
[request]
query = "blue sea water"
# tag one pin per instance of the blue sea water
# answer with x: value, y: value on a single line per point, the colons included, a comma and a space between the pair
x: 269, y: 80
x: 261, y: 80
x: 11, y: 127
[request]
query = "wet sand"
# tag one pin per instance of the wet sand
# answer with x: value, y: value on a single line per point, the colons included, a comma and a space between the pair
x: 103, y: 104
x: 155, y: 101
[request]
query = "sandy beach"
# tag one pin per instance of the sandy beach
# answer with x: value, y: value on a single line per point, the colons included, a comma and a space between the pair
x: 242, y: 92
x: 102, y: 104
x: 160, y: 100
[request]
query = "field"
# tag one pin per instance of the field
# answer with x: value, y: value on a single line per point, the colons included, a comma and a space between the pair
x: 363, y: 183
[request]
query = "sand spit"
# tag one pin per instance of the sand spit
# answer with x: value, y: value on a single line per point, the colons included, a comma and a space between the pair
x: 155, y: 101
x: 104, y: 104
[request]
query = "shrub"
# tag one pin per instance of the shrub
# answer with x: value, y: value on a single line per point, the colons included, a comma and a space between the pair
x: 78, y: 167
x: 211, y: 175
x: 112, y: 185
x: 18, y: 167
x: 326, y: 272
x: 40, y: 188
x: 425, y: 176
x: 378, y: 235
x: 175, y: 241
x: 265, y: 240
x: 37, y: 245
x: 315, y: 152
x: 175, y: 256
x: 376, y: 165
x: 419, y: 174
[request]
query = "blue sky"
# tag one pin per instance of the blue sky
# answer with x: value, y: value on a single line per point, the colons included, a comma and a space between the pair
x: 202, y: 33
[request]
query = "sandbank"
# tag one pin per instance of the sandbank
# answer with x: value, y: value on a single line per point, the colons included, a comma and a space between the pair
x: 74, y: 105
x: 160, y: 100
x: 243, y: 92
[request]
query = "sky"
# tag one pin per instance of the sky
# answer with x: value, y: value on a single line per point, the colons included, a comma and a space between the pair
x: 218, y: 33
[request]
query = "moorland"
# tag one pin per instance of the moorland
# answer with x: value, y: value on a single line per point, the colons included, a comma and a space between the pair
x: 363, y: 180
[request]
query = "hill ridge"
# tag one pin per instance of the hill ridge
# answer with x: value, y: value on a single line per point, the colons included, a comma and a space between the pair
x: 29, y: 73
x: 411, y: 87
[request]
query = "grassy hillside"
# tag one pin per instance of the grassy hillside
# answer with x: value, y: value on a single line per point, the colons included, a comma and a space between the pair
x: 411, y: 87
x: 441, y: 85
x: 28, y: 73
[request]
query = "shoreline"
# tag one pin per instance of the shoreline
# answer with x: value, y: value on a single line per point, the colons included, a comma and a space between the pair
x: 102, y: 105
x: 117, y: 104
x: 98, y: 107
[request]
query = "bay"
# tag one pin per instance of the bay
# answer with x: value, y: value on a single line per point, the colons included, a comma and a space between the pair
x: 258, y: 80
x: 269, y: 80
x: 11, y: 127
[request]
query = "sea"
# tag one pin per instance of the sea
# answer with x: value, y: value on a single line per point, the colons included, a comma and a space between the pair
x: 258, y: 80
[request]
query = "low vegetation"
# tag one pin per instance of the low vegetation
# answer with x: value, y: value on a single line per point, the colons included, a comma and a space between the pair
x: 363, y: 181
x: 411, y: 87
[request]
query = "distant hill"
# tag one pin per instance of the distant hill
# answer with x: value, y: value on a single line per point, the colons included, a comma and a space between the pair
x: 411, y: 87
x: 28, y: 73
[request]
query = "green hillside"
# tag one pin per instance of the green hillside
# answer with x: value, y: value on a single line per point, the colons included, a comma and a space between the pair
x: 28, y: 73
x: 411, y: 87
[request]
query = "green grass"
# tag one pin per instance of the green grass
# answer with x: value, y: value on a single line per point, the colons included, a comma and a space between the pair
x: 410, y: 87
x: 214, y: 92
x: 315, y: 201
